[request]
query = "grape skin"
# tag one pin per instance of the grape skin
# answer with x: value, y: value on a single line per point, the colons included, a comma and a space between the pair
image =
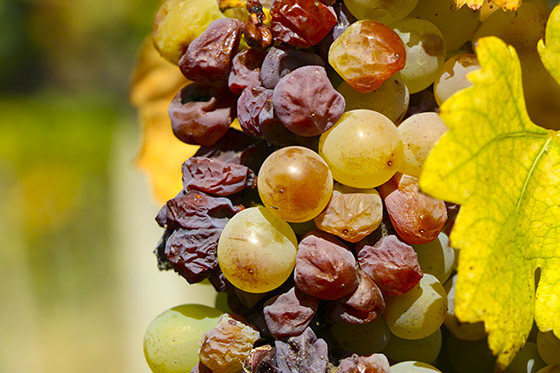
x: 436, y: 257
x: 425, y: 349
x: 363, y: 339
x: 453, y: 76
x: 384, y: 11
x: 413, y: 367
x: 549, y: 347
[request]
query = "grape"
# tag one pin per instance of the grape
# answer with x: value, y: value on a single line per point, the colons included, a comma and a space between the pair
x: 304, y: 353
x: 384, y: 11
x: 179, y: 22
x: 461, y: 330
x: 216, y: 177
x: 257, y: 251
x: 290, y: 313
x: 391, y: 99
x: 377, y: 363
x: 363, y: 339
x: 456, y: 25
x: 261, y: 360
x: 366, y: 54
x: 419, y: 312
x: 280, y: 61
x: 550, y: 369
x: 245, y: 70
x: 527, y: 360
x: 425, y: 349
x: 413, y: 367
x: 436, y: 257
x: 453, y: 76
x: 419, y: 133
x: 363, y: 149
x: 171, y: 340
x: 425, y: 52
x: 295, y: 184
x: 549, y: 347
x: 467, y: 356
x: 249, y: 107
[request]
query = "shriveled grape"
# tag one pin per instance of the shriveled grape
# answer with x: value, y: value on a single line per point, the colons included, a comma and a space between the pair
x: 245, y: 70
x: 374, y: 363
x: 304, y: 353
x: 249, y: 107
x: 282, y: 60
x: 261, y: 360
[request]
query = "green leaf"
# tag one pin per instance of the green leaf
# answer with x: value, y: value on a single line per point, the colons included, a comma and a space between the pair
x: 505, y: 172
x: 550, y: 53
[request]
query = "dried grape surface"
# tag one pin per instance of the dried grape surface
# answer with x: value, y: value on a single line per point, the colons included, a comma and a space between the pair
x: 249, y: 107
x: 374, y: 363
x: 245, y: 70
x: 261, y: 360
x: 304, y: 353
x: 215, y: 177
x: 282, y: 60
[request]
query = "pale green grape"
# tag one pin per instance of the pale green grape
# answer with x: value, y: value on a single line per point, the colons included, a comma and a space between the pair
x: 413, y: 367
x: 419, y: 312
x: 419, y: 133
x: 425, y: 349
x: 527, y: 360
x: 391, y: 99
x: 257, y: 251
x: 461, y: 330
x: 453, y: 76
x: 436, y: 257
x: 549, y: 347
x: 172, y: 339
x: 456, y: 25
x: 425, y: 52
x: 384, y: 11
x: 363, y: 339
x: 363, y: 149
x: 467, y: 356
x: 550, y: 369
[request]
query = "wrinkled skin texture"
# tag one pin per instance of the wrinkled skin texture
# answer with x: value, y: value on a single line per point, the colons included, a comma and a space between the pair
x: 249, y: 107
x: 245, y: 70
x: 301, y: 23
x: 225, y: 348
x: 351, y: 216
x: 361, y: 307
x: 290, y: 313
x: 209, y: 57
x: 367, y: 54
x: 417, y: 218
x: 325, y: 268
x: 344, y: 19
x: 201, y: 114
x: 304, y: 353
x: 306, y: 102
x: 261, y: 360
x: 374, y: 363
x: 282, y: 60
x: 392, y: 264
x: 200, y: 368
x: 215, y: 177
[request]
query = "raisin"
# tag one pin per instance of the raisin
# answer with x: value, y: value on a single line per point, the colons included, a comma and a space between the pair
x: 261, y: 360
x: 280, y: 61
x: 325, y: 268
x: 304, y: 353
x: 392, y: 264
x: 208, y: 58
x: 215, y: 177
x: 245, y: 70
x: 249, y: 106
x: 290, y: 313
x: 374, y: 363
x: 257, y: 34
x: 344, y: 19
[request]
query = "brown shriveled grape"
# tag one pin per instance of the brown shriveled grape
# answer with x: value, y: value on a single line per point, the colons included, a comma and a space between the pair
x: 417, y: 218
x: 374, y: 363
x: 261, y: 360
x: 325, y: 268
x: 225, y: 348
x: 245, y: 70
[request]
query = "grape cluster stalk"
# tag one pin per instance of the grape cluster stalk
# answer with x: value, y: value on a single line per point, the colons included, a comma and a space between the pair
x: 307, y: 216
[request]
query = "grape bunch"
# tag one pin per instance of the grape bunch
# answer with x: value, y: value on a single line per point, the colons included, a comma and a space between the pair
x: 302, y: 204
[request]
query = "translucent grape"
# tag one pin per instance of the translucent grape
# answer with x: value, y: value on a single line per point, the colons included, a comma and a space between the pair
x: 453, y: 76
x: 171, y: 340
x: 549, y: 347
x: 425, y: 349
x: 257, y: 251
x: 527, y: 360
x: 413, y: 367
x: 391, y: 99
x: 419, y: 312
x: 456, y: 25
x: 363, y: 339
x: 384, y: 11
x: 419, y: 133
x: 363, y: 149
x: 295, y: 184
x: 425, y: 52
x: 461, y: 330
x: 436, y: 257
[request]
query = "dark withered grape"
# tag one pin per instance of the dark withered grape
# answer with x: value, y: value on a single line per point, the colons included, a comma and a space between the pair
x: 282, y: 60
x: 245, y: 70
x: 209, y: 57
x: 304, y: 353
x: 201, y: 113
x: 306, y: 102
x: 261, y: 360
x: 374, y: 363
x: 249, y: 106
x: 344, y: 19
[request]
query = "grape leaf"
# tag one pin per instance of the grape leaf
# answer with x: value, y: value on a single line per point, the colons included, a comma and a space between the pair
x: 505, y: 172
x: 477, y: 4
x: 550, y: 52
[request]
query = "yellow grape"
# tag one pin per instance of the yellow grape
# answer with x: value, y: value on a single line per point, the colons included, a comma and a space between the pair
x: 453, y: 76
x: 436, y: 257
x: 413, y: 367
x: 384, y: 11
x: 363, y: 339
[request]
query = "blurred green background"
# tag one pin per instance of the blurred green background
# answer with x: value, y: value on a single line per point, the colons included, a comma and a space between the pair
x: 78, y: 280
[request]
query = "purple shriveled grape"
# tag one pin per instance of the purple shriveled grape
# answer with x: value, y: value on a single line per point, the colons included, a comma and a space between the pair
x: 280, y: 61
x: 374, y: 363
x: 304, y: 353
x: 245, y: 70
x: 261, y: 360
x: 249, y: 106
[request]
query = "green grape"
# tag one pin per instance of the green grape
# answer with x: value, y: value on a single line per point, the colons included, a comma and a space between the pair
x: 456, y: 25
x: 363, y: 149
x: 419, y: 312
x: 419, y: 133
x: 257, y: 251
x: 436, y: 257
x: 461, y: 330
x: 178, y: 22
x: 425, y: 349
x: 425, y: 52
x: 363, y: 339
x: 453, y: 76
x: 527, y: 360
x: 172, y: 339
x: 549, y: 347
x: 467, y: 356
x: 295, y: 184
x: 413, y: 367
x: 550, y: 369
x: 384, y: 11
x: 391, y: 99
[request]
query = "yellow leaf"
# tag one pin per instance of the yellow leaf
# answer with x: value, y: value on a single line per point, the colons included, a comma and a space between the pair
x: 477, y: 4
x: 550, y: 51
x: 505, y: 172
